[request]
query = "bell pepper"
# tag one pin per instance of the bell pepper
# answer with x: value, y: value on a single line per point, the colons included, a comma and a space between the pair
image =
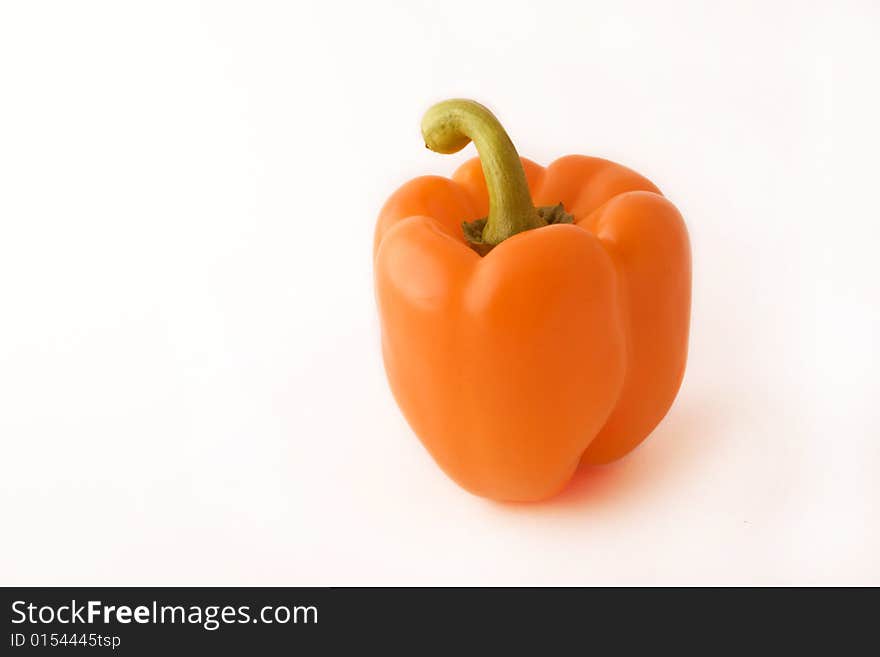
x: 532, y: 318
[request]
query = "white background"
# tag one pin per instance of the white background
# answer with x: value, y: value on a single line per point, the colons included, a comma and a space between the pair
x: 191, y: 386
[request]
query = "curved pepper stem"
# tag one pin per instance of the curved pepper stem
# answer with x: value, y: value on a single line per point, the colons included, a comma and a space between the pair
x: 447, y: 128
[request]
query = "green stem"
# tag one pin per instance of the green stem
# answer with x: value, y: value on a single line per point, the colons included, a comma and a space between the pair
x: 447, y: 128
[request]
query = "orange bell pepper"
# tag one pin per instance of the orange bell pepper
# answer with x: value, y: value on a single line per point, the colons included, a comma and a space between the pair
x: 537, y: 338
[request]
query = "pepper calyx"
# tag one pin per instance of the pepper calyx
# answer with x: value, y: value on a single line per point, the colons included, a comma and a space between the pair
x: 473, y: 230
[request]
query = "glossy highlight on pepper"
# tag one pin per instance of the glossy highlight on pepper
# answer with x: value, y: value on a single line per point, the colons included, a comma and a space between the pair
x: 532, y: 318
